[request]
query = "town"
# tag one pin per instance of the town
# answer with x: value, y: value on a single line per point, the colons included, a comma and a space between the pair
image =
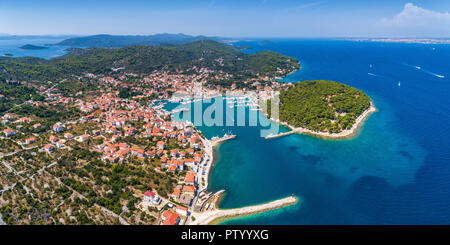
x: 96, y: 149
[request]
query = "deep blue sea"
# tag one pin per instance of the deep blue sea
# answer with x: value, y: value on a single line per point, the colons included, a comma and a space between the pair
x: 396, y: 171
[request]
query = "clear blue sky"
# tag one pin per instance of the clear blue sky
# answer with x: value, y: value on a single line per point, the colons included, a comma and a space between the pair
x: 229, y: 18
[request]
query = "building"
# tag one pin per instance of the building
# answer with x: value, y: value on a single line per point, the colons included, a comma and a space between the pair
x: 151, y: 197
x: 9, y: 132
x: 175, y: 194
x: 189, y: 190
x: 190, y: 178
x: 57, y: 128
x: 181, y: 210
x: 30, y: 140
x: 161, y: 145
x: 83, y: 138
x: 60, y: 144
x: 68, y: 136
x: 170, y: 218
x: 53, y: 139
x: 49, y: 148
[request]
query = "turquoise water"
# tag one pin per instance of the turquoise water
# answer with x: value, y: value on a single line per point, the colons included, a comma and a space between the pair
x: 396, y: 171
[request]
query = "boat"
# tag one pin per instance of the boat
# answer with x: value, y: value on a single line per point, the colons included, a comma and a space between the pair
x: 399, y: 84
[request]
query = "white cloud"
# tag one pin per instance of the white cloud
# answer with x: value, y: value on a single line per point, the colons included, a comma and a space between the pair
x: 413, y: 16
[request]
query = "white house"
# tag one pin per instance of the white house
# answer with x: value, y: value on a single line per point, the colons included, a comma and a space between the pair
x: 151, y: 197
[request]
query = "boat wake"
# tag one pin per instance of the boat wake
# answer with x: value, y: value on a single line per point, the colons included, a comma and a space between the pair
x: 425, y: 71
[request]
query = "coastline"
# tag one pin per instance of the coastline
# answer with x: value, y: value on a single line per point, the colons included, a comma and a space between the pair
x: 348, y: 133
x: 215, y: 213
x: 209, y: 149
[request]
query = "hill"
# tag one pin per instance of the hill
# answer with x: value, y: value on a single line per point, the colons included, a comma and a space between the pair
x: 322, y: 106
x: 185, y: 58
x: 111, y: 41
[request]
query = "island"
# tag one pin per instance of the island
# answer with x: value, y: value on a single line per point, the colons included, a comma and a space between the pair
x: 8, y: 55
x: 244, y: 47
x: 265, y: 42
x: 115, y: 41
x: 32, y: 47
x: 323, y: 108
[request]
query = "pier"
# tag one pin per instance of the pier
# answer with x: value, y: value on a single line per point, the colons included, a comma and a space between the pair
x: 215, y: 141
x: 279, y: 135
x: 209, y: 216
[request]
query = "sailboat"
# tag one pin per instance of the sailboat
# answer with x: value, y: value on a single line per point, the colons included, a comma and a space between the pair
x: 399, y: 84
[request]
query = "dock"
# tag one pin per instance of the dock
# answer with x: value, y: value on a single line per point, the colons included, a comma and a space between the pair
x: 279, y: 135
x: 226, y: 137
x: 209, y: 216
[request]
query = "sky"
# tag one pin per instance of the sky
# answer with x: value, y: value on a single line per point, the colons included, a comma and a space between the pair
x: 229, y: 18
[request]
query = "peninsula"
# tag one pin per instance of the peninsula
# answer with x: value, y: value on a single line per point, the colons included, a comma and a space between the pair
x: 323, y: 108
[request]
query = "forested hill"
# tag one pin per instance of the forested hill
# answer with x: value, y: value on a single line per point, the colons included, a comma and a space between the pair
x: 322, y: 106
x: 212, y: 55
x: 111, y: 41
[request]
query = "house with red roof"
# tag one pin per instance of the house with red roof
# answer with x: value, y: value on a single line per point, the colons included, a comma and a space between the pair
x: 68, y: 136
x: 49, y: 148
x: 30, y: 140
x: 175, y: 194
x: 189, y: 178
x: 151, y: 197
x: 161, y: 145
x: 83, y: 138
x: 181, y: 210
x: 189, y: 190
x: 170, y: 218
x: 9, y: 132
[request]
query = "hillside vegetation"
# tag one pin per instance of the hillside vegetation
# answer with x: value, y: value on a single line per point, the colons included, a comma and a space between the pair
x: 113, y: 41
x: 324, y: 106
x: 208, y: 54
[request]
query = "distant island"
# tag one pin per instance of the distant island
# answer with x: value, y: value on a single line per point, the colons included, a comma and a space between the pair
x: 8, y: 55
x: 113, y: 41
x: 32, y: 47
x: 244, y: 47
x: 324, y: 108
x: 185, y: 58
x: 265, y: 42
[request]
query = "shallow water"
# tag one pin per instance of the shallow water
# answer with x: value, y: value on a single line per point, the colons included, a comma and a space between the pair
x: 395, y: 171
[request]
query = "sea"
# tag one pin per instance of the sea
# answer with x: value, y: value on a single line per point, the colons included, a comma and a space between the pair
x: 10, y: 45
x: 396, y: 170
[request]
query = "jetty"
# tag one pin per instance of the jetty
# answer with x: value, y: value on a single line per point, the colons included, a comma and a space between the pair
x: 215, y: 141
x: 271, y: 136
x: 209, y: 216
